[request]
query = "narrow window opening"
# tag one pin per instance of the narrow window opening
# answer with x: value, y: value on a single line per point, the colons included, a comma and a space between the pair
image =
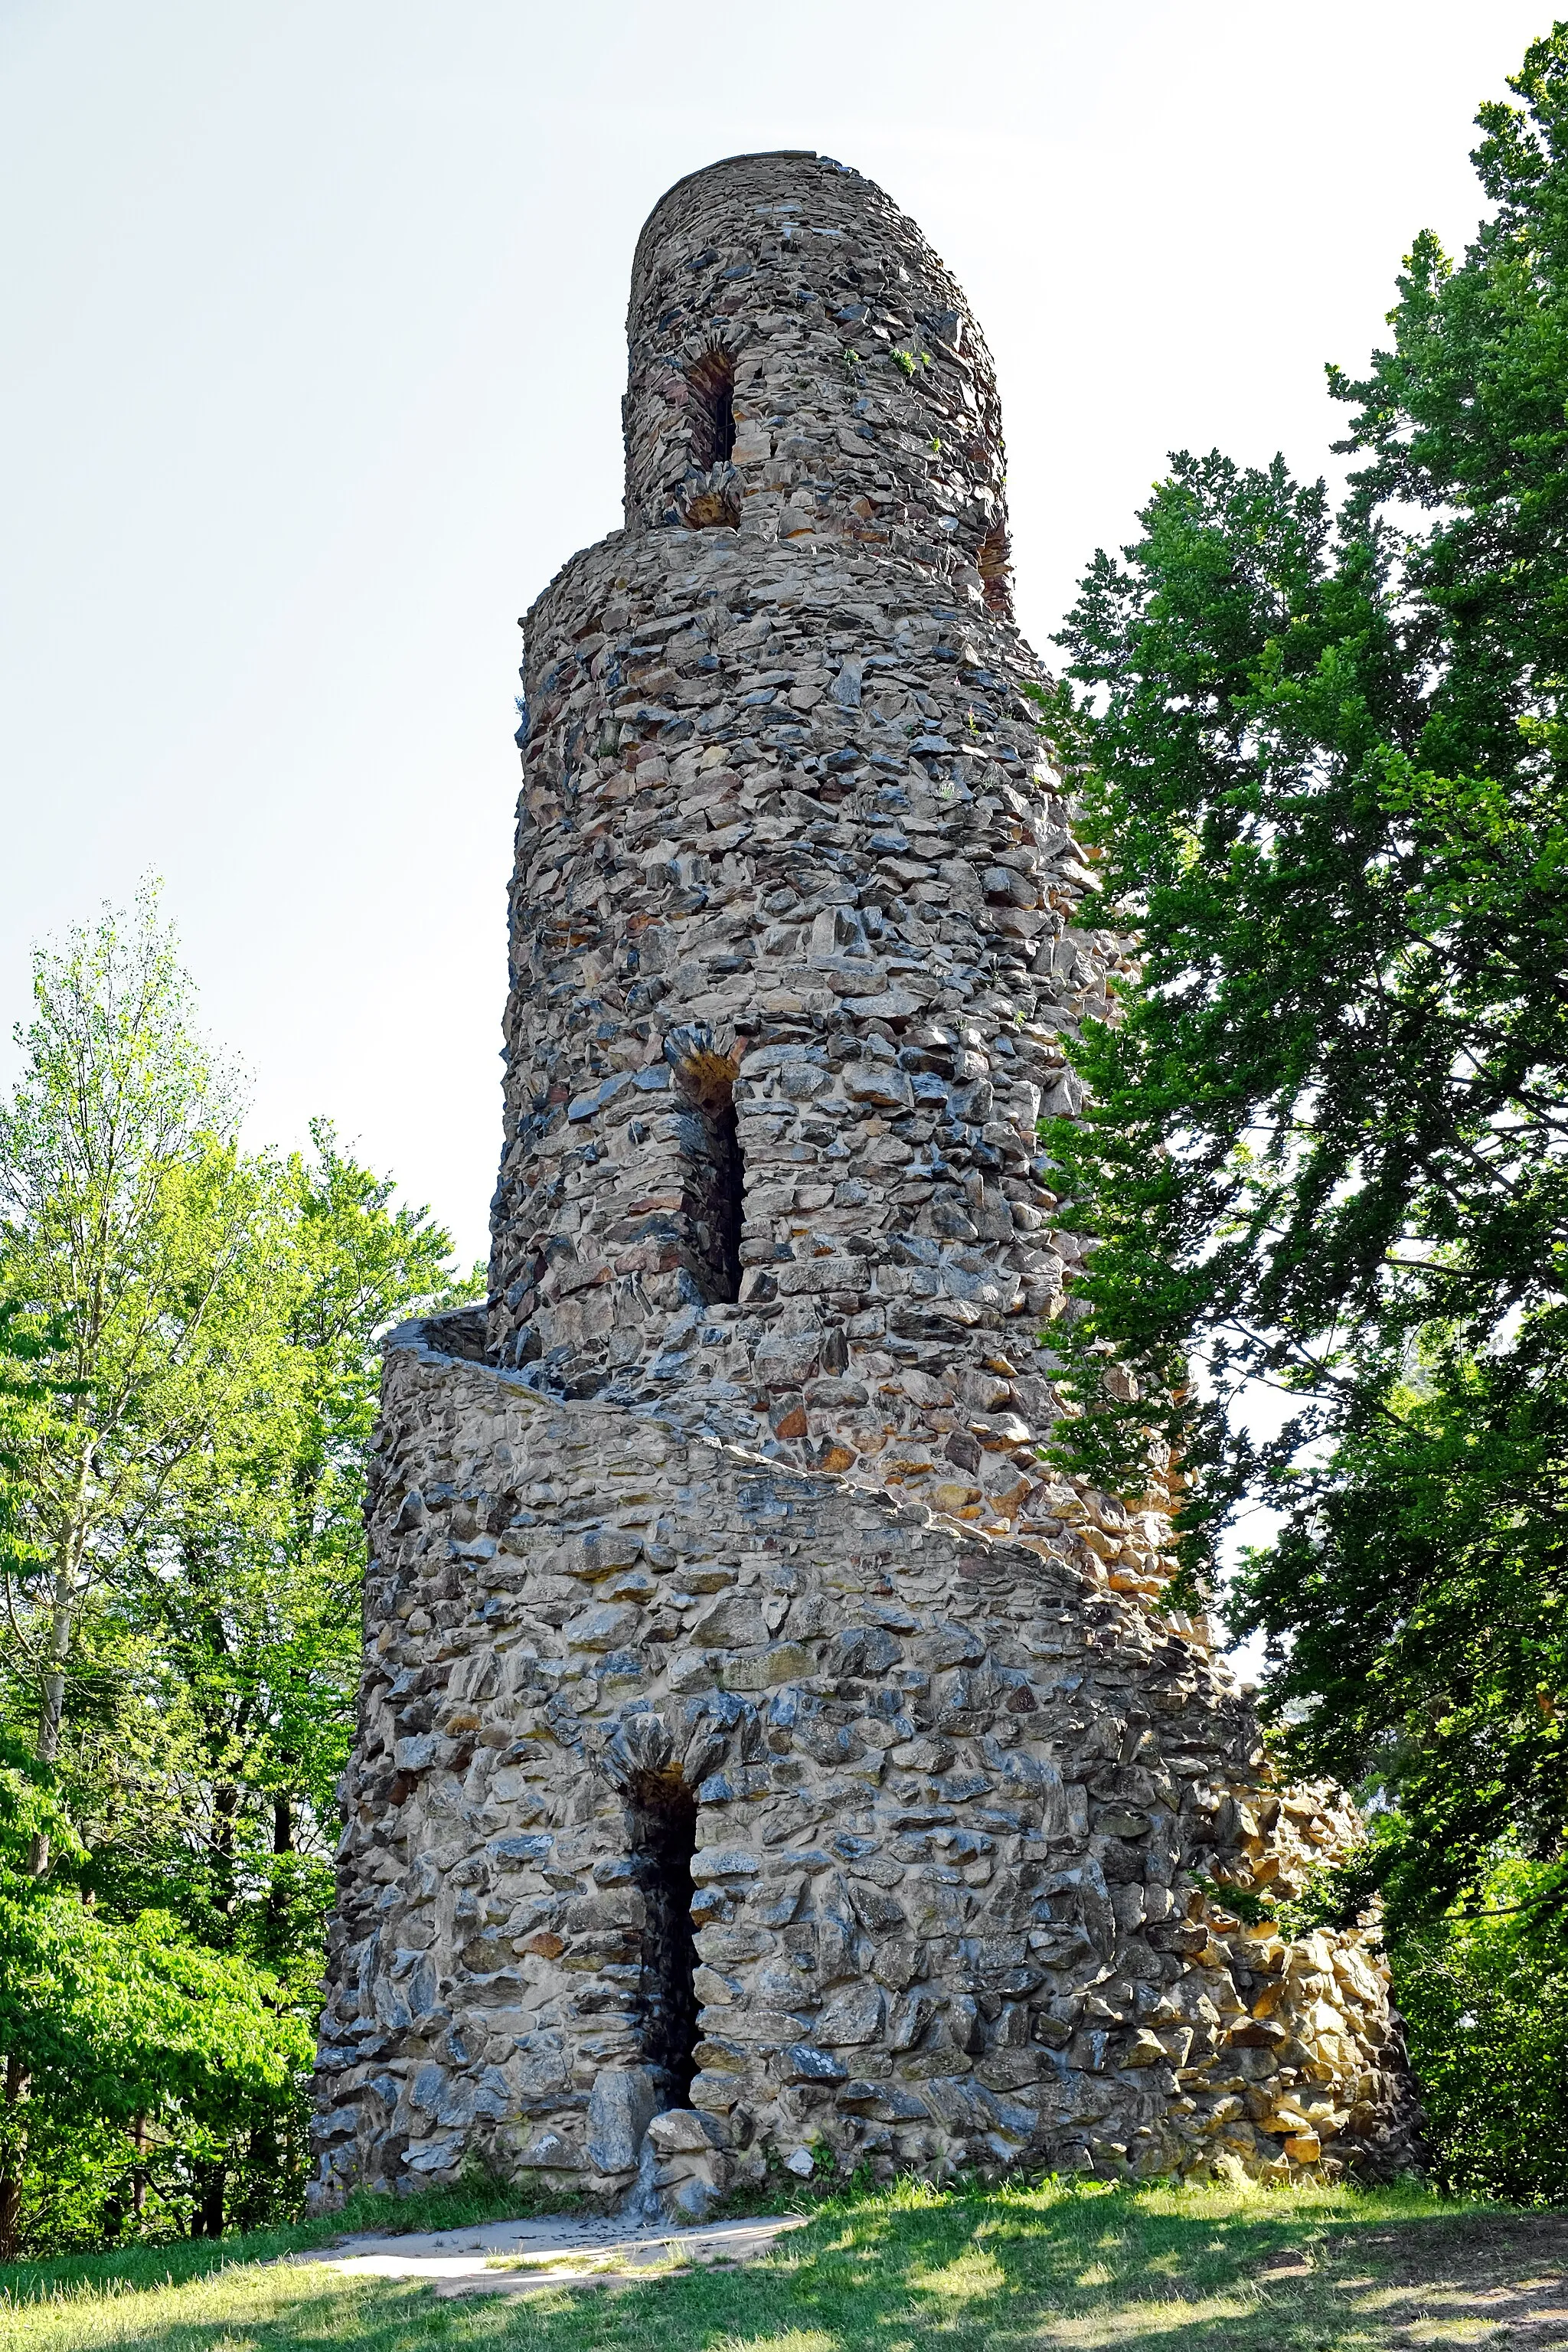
x: 714, y: 1178
x: 713, y: 383
x: 995, y: 566
x: 729, y: 1188
x: 724, y: 423
x: 663, y: 1823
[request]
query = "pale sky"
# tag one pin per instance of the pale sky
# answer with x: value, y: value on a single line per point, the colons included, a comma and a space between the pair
x: 314, y: 318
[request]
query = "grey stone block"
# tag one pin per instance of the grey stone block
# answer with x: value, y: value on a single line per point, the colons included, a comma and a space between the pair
x: 620, y: 2108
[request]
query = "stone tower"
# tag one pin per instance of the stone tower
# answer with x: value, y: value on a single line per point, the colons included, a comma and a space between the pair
x: 764, y: 1753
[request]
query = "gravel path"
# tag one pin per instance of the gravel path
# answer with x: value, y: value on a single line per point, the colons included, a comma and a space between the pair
x: 525, y: 2257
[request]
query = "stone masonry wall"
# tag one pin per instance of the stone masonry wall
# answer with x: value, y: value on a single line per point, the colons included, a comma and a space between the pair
x: 807, y: 284
x: 786, y: 831
x: 721, y: 1582
x: 949, y: 1797
x: 876, y: 965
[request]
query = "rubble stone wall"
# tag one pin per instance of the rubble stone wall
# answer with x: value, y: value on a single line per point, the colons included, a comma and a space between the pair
x: 721, y: 1585
x: 864, y: 398
x: 787, y: 839
x: 949, y: 1797
x: 873, y: 965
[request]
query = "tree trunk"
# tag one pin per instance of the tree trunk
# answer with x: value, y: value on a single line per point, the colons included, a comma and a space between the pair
x: 15, y: 2159
x: 52, y: 1697
x: 63, y: 1624
x: 226, y: 1805
x: 51, y: 1708
x: 263, y: 2165
x: 277, y: 1915
x: 207, y: 2219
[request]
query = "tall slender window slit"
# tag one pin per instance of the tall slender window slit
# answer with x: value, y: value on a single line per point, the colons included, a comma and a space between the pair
x: 712, y: 382
x: 663, y: 1823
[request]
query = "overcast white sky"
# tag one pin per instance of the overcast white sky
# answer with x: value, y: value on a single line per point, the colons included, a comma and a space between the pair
x: 314, y: 320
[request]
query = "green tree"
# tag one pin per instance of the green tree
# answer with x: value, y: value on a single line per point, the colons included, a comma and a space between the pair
x: 1324, y: 758
x: 1484, y: 1996
x: 134, y: 2040
x: 248, y: 1607
x: 136, y: 1233
x: 188, y: 1376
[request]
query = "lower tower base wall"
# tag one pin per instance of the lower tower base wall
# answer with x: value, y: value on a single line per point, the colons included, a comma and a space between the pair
x: 711, y: 1808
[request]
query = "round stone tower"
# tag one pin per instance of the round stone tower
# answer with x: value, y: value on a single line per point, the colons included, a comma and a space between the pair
x: 764, y: 1751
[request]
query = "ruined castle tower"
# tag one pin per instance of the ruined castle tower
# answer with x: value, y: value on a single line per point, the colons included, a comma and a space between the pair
x: 764, y: 1752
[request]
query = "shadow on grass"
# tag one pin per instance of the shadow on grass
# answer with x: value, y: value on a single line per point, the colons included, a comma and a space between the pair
x: 1299, y: 2271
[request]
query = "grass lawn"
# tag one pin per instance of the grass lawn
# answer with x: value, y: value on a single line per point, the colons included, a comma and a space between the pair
x: 1179, y: 2268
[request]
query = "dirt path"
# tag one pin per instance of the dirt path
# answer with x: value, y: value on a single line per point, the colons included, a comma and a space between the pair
x: 517, y: 2257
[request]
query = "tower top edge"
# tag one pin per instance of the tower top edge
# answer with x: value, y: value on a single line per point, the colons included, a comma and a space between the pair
x: 788, y: 158
x: 725, y: 162
x: 785, y: 285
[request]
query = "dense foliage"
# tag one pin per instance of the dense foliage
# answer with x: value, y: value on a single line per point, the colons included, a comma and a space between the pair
x: 1324, y: 758
x: 147, y: 2055
x: 1484, y: 1996
x: 1328, y: 772
x: 187, y: 1381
